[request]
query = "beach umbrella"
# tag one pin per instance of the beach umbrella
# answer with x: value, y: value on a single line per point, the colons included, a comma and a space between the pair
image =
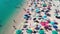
x: 29, y: 31
x: 41, y: 32
x: 52, y: 22
x: 54, y: 32
x: 55, y: 26
x: 19, y: 32
x: 37, y: 10
x: 45, y: 16
x: 44, y: 23
x: 44, y: 5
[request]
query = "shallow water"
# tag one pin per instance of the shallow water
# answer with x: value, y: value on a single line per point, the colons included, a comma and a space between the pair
x: 7, y: 8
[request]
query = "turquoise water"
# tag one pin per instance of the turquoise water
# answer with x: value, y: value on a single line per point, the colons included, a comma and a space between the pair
x: 7, y: 8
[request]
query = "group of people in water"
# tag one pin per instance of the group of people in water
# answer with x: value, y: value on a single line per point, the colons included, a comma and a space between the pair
x: 36, y: 17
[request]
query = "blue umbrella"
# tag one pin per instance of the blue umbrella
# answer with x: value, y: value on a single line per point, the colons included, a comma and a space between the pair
x: 37, y: 10
x: 55, y: 26
x: 44, y: 17
x: 52, y: 22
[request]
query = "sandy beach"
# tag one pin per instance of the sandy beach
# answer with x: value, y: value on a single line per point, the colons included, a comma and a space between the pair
x: 17, y: 21
x: 20, y: 19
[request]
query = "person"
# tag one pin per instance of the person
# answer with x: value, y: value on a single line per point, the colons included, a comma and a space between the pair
x: 34, y: 32
x: 42, y: 10
x: 47, y: 11
x: 26, y: 16
x: 0, y: 25
x: 37, y: 21
x: 54, y: 5
x: 34, y: 19
x: 14, y: 27
x: 50, y: 28
x: 48, y: 20
x: 39, y: 17
x: 46, y: 28
x: 26, y: 21
x: 56, y: 23
x: 48, y: 14
x: 50, y: 0
x: 14, y: 21
x: 37, y: 28
x: 49, y: 7
x: 25, y: 26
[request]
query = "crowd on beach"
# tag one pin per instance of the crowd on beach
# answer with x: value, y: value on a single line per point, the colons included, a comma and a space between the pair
x: 37, y: 17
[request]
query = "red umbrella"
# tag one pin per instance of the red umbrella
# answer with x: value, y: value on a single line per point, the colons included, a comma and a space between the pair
x: 44, y: 23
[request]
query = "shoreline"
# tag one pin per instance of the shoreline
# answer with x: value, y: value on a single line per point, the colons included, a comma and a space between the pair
x: 17, y: 20
x: 10, y: 22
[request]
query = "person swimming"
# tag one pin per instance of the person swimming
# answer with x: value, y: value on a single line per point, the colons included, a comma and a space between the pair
x: 0, y: 25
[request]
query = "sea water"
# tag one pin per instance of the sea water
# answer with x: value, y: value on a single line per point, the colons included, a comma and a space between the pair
x: 7, y: 8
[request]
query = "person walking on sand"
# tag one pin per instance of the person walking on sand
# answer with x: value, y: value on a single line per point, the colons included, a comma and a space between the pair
x: 14, y: 21
x: 14, y: 27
